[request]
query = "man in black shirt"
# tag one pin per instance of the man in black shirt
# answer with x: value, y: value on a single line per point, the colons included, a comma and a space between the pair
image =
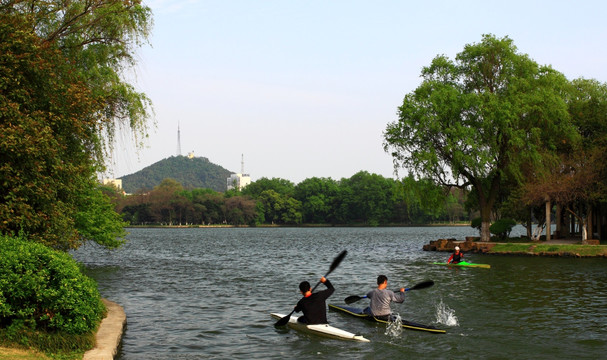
x: 313, y: 305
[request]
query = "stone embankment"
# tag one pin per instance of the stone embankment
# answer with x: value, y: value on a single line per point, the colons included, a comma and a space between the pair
x: 465, y: 246
x: 109, y: 334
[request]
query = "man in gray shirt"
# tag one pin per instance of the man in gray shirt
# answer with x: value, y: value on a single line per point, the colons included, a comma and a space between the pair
x: 381, y: 299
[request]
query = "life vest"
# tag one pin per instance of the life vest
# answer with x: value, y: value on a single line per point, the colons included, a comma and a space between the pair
x: 457, y: 257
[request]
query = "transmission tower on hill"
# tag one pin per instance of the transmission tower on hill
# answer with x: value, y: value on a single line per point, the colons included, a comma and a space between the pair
x: 178, y: 140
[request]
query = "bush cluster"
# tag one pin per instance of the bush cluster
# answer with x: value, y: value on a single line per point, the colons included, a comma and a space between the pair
x: 42, y: 289
x: 502, y: 228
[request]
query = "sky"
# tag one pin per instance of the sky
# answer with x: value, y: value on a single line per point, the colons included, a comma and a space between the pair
x: 303, y: 89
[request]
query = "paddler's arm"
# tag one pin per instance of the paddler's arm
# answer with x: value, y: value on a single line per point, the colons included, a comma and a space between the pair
x: 398, y: 296
x: 450, y: 258
x: 330, y: 288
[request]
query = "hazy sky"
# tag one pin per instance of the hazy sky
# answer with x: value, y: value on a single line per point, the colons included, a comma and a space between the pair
x: 306, y: 88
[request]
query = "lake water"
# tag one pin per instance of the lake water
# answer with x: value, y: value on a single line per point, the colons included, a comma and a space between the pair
x: 207, y: 294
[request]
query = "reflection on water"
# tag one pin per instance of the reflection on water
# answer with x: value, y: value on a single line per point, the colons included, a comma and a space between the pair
x: 208, y: 293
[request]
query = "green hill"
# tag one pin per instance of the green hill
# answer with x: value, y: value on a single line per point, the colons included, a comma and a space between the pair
x: 197, y: 172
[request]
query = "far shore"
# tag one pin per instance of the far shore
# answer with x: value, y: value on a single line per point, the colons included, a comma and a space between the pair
x: 194, y: 226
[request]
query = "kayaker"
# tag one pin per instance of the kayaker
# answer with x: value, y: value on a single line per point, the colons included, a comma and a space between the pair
x: 381, y: 299
x: 313, y: 306
x: 456, y: 257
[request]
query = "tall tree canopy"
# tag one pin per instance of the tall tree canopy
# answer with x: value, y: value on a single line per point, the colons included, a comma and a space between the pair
x: 487, y: 115
x: 62, y: 97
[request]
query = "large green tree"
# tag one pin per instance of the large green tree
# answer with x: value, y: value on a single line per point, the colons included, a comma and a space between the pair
x: 367, y: 198
x: 318, y: 197
x: 481, y: 118
x: 62, y: 97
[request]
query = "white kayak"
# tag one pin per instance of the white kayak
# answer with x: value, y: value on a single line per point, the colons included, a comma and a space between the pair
x: 320, y: 329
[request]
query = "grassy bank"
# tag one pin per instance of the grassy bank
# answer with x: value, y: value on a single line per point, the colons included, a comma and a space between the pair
x: 20, y: 354
x: 23, y: 354
x: 576, y: 250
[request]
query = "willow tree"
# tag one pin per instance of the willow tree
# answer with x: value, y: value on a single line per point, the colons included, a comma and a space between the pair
x: 479, y: 119
x: 62, y: 98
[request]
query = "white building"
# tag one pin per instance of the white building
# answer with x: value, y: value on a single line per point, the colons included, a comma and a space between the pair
x: 116, y: 182
x: 239, y: 181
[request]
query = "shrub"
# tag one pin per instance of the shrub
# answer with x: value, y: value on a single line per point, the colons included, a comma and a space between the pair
x: 476, y: 224
x: 502, y: 228
x: 44, y: 289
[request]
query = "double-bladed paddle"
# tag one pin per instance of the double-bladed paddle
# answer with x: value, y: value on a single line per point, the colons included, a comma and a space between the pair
x: 422, y: 285
x: 283, y: 321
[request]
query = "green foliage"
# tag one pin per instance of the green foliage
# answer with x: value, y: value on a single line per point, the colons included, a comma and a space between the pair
x: 366, y: 198
x: 488, y: 115
x: 363, y: 199
x: 44, y: 289
x: 46, y: 124
x: 317, y: 196
x: 476, y: 223
x: 98, y: 39
x: 97, y: 220
x: 280, y: 186
x: 61, y: 91
x: 502, y: 228
x: 170, y: 204
x: 194, y: 173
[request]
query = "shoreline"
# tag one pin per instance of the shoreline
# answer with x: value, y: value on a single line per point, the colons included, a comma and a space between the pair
x: 220, y: 226
x: 109, y: 334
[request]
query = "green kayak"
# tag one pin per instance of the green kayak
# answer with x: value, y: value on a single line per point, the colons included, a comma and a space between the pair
x: 465, y: 264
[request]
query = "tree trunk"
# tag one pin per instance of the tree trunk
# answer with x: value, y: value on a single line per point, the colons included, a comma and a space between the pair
x: 590, y: 232
x: 559, y: 222
x: 548, y: 224
x: 584, y: 232
x: 485, y: 223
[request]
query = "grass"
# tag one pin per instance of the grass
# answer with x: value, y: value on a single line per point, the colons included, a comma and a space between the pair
x: 556, y: 249
x: 28, y: 344
x: 20, y: 354
x: 16, y: 353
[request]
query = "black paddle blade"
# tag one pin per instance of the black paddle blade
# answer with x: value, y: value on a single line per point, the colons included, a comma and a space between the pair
x: 337, y: 261
x: 284, y: 320
x: 352, y: 299
x: 423, y: 285
x: 334, y: 265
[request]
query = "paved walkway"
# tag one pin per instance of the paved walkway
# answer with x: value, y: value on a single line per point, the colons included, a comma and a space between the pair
x: 109, y: 333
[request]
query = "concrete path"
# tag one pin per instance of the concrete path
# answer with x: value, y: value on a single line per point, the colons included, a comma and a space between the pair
x: 109, y: 333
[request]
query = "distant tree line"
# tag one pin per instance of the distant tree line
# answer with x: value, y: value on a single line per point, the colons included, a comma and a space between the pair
x: 363, y: 199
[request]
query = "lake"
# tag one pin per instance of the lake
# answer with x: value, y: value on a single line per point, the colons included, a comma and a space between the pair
x: 207, y: 294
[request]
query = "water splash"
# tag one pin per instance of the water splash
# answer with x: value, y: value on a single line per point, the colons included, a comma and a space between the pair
x: 445, y: 315
x: 394, y: 328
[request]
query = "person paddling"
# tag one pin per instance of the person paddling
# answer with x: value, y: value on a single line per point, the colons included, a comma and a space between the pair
x: 381, y: 298
x: 313, y: 305
x: 456, y: 257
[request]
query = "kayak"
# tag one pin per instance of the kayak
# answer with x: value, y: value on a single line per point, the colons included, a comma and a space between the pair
x: 465, y: 264
x: 357, y: 312
x: 321, y: 329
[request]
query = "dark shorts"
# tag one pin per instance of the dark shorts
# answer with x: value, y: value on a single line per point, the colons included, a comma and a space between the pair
x: 367, y: 311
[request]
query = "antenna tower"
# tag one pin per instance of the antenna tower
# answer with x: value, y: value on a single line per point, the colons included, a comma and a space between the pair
x: 242, y: 164
x: 178, y: 140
